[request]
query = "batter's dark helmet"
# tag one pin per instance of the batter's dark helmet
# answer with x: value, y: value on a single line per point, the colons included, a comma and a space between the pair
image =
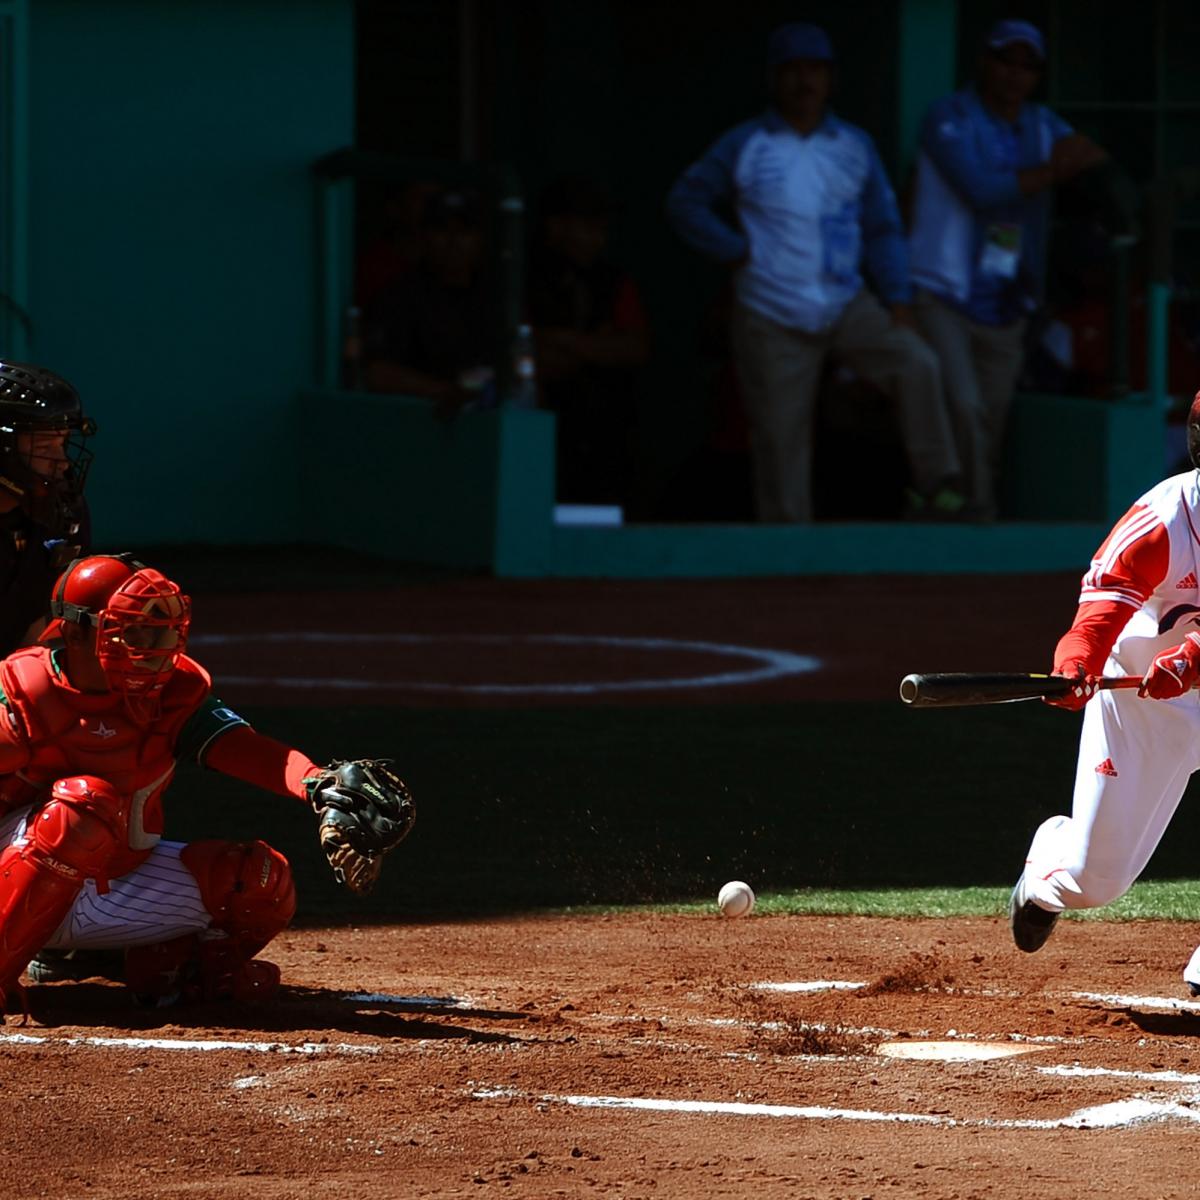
x: 34, y: 400
x: 1193, y: 431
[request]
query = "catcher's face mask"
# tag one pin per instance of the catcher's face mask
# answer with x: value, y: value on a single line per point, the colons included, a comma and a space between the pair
x: 141, y: 633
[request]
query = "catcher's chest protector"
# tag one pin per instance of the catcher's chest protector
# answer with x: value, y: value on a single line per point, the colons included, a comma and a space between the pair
x: 73, y: 733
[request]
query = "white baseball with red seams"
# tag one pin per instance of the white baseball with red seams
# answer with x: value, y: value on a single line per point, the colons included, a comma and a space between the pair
x: 736, y: 899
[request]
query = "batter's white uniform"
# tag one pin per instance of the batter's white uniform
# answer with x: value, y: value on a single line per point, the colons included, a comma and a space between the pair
x: 1135, y: 755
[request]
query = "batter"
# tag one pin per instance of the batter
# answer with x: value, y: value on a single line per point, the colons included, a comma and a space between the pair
x: 1139, y: 613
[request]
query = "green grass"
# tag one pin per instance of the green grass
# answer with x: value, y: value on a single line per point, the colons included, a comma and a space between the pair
x: 1165, y: 900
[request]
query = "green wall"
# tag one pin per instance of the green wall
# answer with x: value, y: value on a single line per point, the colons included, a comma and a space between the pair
x: 171, y: 246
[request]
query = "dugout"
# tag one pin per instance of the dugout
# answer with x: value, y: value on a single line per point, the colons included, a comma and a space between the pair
x: 1074, y: 461
x: 159, y: 228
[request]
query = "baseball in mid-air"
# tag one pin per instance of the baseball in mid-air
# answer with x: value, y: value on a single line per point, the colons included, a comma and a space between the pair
x: 736, y: 899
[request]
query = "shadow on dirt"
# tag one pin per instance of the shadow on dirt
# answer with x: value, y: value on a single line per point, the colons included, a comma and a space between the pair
x: 1161, y: 1024
x: 106, y: 1009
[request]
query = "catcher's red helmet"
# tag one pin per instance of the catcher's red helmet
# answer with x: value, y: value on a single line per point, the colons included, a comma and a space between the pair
x: 141, y: 618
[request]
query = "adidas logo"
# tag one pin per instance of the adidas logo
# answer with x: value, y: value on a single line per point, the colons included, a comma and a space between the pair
x: 1107, y: 768
x: 1187, y: 583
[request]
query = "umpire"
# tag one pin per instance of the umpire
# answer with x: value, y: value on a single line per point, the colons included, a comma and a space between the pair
x: 44, y: 521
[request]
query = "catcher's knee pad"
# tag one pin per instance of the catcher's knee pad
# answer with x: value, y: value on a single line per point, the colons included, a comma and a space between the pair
x: 247, y: 888
x: 79, y: 829
x: 69, y: 839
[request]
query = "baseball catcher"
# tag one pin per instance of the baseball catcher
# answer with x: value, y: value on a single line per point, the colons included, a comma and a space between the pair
x: 93, y: 720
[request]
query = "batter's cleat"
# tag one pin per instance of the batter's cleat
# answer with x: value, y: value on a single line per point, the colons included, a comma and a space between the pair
x: 54, y: 966
x: 1191, y: 973
x: 1031, y: 924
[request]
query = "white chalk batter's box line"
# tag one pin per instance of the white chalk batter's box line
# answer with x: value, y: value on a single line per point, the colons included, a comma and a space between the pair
x: 1119, y: 1114
x: 1134, y: 1110
x: 765, y: 664
x: 665, y: 1020
x: 189, y: 1044
x: 452, y: 1004
x: 1122, y: 1113
x: 1159, y: 1003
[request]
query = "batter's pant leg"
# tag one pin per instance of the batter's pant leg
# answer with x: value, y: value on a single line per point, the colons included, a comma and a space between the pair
x: 778, y: 371
x: 895, y: 359
x: 1135, y: 758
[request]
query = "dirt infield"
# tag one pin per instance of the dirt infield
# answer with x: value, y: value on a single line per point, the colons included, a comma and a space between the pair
x: 630, y: 1056
x: 633, y: 1055
x: 481, y: 642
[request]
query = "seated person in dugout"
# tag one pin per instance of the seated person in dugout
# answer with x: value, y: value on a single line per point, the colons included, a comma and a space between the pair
x: 96, y: 716
x: 430, y: 334
x: 592, y: 336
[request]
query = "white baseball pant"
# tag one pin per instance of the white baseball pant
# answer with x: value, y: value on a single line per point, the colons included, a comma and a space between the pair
x: 156, y: 901
x: 1135, y: 758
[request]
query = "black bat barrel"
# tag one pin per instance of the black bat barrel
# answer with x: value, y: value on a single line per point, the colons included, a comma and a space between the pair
x: 948, y: 689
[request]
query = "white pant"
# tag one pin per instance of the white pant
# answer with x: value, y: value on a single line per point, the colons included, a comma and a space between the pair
x: 154, y: 902
x: 1135, y: 758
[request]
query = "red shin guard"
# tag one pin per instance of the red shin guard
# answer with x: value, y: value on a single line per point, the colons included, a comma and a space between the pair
x: 248, y: 890
x: 73, y: 837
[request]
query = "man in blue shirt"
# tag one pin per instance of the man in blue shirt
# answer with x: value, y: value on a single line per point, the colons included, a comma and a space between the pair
x: 794, y: 200
x: 988, y: 161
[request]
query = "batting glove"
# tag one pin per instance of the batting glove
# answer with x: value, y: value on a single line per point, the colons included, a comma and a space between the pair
x: 1083, y: 689
x: 1174, y: 671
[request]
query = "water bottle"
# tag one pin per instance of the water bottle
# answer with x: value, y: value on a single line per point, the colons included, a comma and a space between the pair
x: 524, y: 370
x: 352, y: 350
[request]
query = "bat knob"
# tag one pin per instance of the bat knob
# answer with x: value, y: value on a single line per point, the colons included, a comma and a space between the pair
x: 909, y: 688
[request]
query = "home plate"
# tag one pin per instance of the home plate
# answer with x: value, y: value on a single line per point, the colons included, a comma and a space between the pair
x: 952, y: 1051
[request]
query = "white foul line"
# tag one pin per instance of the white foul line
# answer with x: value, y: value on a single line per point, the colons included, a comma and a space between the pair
x: 1163, y: 1002
x: 140, y: 1043
x: 414, y: 1002
x: 1102, y: 1116
x: 809, y: 985
x: 772, y: 664
x: 1115, y: 1073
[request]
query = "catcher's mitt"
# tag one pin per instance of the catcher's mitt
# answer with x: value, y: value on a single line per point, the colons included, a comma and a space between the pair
x: 365, y: 810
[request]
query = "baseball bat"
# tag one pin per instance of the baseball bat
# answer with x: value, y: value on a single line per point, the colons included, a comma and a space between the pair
x: 949, y: 689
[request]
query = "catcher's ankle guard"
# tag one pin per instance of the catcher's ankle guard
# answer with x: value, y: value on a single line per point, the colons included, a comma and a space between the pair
x: 198, y: 967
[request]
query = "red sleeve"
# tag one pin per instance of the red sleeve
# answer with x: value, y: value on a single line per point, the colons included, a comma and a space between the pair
x: 255, y: 758
x: 1090, y: 639
x: 1130, y: 564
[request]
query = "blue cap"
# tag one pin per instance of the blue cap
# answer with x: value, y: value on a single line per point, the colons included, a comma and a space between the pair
x: 798, y: 40
x: 1012, y: 32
